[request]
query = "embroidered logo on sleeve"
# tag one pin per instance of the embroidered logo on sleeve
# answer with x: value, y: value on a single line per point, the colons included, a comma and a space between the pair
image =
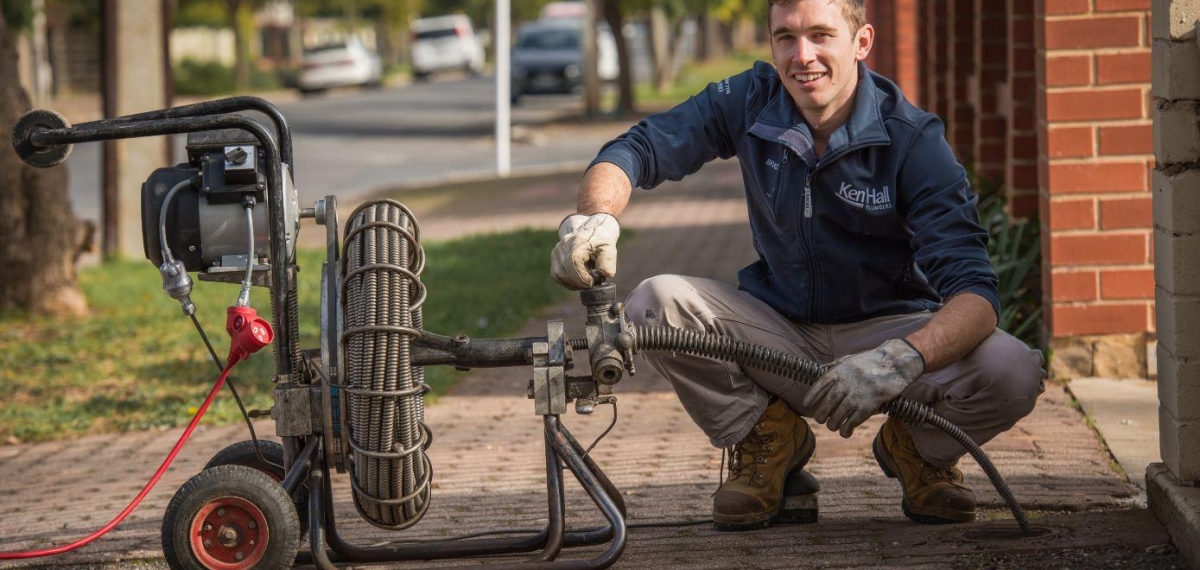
x: 869, y: 199
x: 723, y: 86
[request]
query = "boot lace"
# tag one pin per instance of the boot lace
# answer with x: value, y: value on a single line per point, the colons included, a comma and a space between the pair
x: 931, y: 474
x: 747, y: 454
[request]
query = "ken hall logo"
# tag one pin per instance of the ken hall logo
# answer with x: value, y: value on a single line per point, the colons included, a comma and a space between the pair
x: 869, y: 199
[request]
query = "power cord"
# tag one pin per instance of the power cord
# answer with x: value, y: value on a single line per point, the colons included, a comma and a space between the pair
x: 212, y: 394
x: 237, y: 398
x: 248, y: 334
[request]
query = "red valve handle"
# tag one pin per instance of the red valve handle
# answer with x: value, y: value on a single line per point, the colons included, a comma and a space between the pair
x: 248, y: 333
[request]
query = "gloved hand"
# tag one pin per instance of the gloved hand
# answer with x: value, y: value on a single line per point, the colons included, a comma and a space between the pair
x: 857, y: 385
x: 583, y: 238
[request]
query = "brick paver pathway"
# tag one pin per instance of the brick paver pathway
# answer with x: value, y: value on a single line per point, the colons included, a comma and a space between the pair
x: 488, y: 458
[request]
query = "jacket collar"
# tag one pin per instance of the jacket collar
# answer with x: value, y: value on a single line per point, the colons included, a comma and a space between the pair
x: 781, y: 121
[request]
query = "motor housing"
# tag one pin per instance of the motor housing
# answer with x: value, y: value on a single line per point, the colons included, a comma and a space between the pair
x: 205, y: 222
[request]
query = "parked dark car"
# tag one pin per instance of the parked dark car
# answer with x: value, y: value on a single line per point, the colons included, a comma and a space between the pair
x: 548, y: 58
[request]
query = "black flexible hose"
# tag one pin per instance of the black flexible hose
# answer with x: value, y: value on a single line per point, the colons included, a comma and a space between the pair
x: 790, y: 366
x: 382, y: 295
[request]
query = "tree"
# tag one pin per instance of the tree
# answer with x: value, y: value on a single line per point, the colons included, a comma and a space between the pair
x: 238, y: 15
x: 241, y: 19
x: 613, y: 14
x: 391, y: 25
x: 40, y: 239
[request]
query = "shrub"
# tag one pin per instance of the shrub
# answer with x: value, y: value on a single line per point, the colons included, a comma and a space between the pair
x: 193, y: 77
x: 1015, y: 249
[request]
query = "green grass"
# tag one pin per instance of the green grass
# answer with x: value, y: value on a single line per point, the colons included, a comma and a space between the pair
x: 137, y: 362
x: 694, y: 77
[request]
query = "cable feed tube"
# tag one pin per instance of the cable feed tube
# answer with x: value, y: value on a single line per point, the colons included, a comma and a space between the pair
x: 750, y: 355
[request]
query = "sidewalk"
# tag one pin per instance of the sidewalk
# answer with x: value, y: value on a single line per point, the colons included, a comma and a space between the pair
x: 488, y: 457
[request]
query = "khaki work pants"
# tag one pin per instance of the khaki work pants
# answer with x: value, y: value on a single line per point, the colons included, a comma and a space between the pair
x: 985, y: 393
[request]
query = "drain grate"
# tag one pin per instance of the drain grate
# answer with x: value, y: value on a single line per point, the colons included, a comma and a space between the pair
x: 1012, y: 533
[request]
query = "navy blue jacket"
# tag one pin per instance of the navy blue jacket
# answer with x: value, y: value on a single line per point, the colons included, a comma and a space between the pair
x: 883, y: 223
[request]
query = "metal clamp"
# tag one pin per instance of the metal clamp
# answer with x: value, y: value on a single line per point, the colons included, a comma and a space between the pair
x: 549, y: 375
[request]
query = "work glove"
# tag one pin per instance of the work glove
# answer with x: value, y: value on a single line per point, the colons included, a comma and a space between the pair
x: 583, y: 239
x: 856, y: 386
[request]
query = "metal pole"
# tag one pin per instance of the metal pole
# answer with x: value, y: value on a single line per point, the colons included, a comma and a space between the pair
x: 503, y: 88
x: 110, y: 240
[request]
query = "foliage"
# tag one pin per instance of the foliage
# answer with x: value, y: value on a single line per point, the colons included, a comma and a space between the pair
x: 694, y: 78
x: 205, y: 78
x: 137, y: 363
x: 18, y: 14
x: 206, y: 13
x: 1015, y: 249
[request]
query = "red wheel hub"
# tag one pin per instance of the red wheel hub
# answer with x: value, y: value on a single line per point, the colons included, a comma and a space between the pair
x: 229, y: 533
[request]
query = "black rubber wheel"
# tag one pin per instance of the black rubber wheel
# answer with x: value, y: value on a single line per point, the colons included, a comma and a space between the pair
x: 242, y: 453
x: 230, y: 517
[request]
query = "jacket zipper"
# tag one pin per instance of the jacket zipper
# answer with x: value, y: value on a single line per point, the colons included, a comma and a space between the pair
x: 806, y: 229
x: 780, y: 189
x: 806, y: 232
x: 806, y: 236
x: 808, y: 195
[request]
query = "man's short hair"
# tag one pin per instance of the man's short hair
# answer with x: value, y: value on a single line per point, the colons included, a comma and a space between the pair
x: 855, y: 11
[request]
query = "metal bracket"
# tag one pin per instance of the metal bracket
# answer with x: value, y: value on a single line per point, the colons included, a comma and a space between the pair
x: 293, y: 411
x: 549, y: 375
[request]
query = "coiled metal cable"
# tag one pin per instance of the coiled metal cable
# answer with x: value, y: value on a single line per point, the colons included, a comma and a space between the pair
x: 382, y: 295
x: 790, y: 366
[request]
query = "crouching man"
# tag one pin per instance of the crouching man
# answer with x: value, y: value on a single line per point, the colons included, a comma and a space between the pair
x: 870, y: 257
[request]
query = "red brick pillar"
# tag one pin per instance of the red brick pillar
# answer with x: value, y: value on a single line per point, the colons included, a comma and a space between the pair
x: 961, y: 56
x: 882, y: 57
x: 937, y: 32
x: 907, y: 47
x: 896, y: 43
x: 1094, y: 166
x: 991, y: 72
x: 1021, y: 168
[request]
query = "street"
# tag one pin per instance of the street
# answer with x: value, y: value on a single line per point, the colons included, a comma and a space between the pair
x: 352, y: 143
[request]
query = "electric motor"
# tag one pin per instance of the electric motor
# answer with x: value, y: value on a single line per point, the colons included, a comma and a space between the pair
x: 205, y: 223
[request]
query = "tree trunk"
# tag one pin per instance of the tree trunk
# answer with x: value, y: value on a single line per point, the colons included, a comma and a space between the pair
x: 712, y: 39
x: 39, y: 236
x: 239, y: 14
x: 660, y: 49
x: 616, y: 23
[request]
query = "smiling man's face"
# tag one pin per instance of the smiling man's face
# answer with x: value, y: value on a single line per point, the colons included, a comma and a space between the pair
x: 817, y: 55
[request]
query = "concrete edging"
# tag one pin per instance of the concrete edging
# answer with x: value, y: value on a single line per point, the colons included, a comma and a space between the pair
x: 1178, y: 508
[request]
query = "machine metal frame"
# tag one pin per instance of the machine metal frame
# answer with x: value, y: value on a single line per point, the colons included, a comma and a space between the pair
x: 43, y: 138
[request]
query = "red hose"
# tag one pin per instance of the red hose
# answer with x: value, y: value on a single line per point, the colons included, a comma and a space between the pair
x: 212, y: 394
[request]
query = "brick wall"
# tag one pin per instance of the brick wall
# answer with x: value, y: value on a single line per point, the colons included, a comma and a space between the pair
x: 1020, y: 110
x: 882, y: 58
x: 1094, y: 165
x: 905, y: 16
x: 960, y: 56
x: 937, y: 32
x: 897, y: 43
x: 991, y: 72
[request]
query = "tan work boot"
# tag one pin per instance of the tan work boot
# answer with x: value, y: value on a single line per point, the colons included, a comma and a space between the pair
x: 759, y: 464
x: 931, y: 495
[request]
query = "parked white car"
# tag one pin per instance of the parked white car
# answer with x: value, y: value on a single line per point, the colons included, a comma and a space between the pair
x: 340, y: 64
x: 445, y: 43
